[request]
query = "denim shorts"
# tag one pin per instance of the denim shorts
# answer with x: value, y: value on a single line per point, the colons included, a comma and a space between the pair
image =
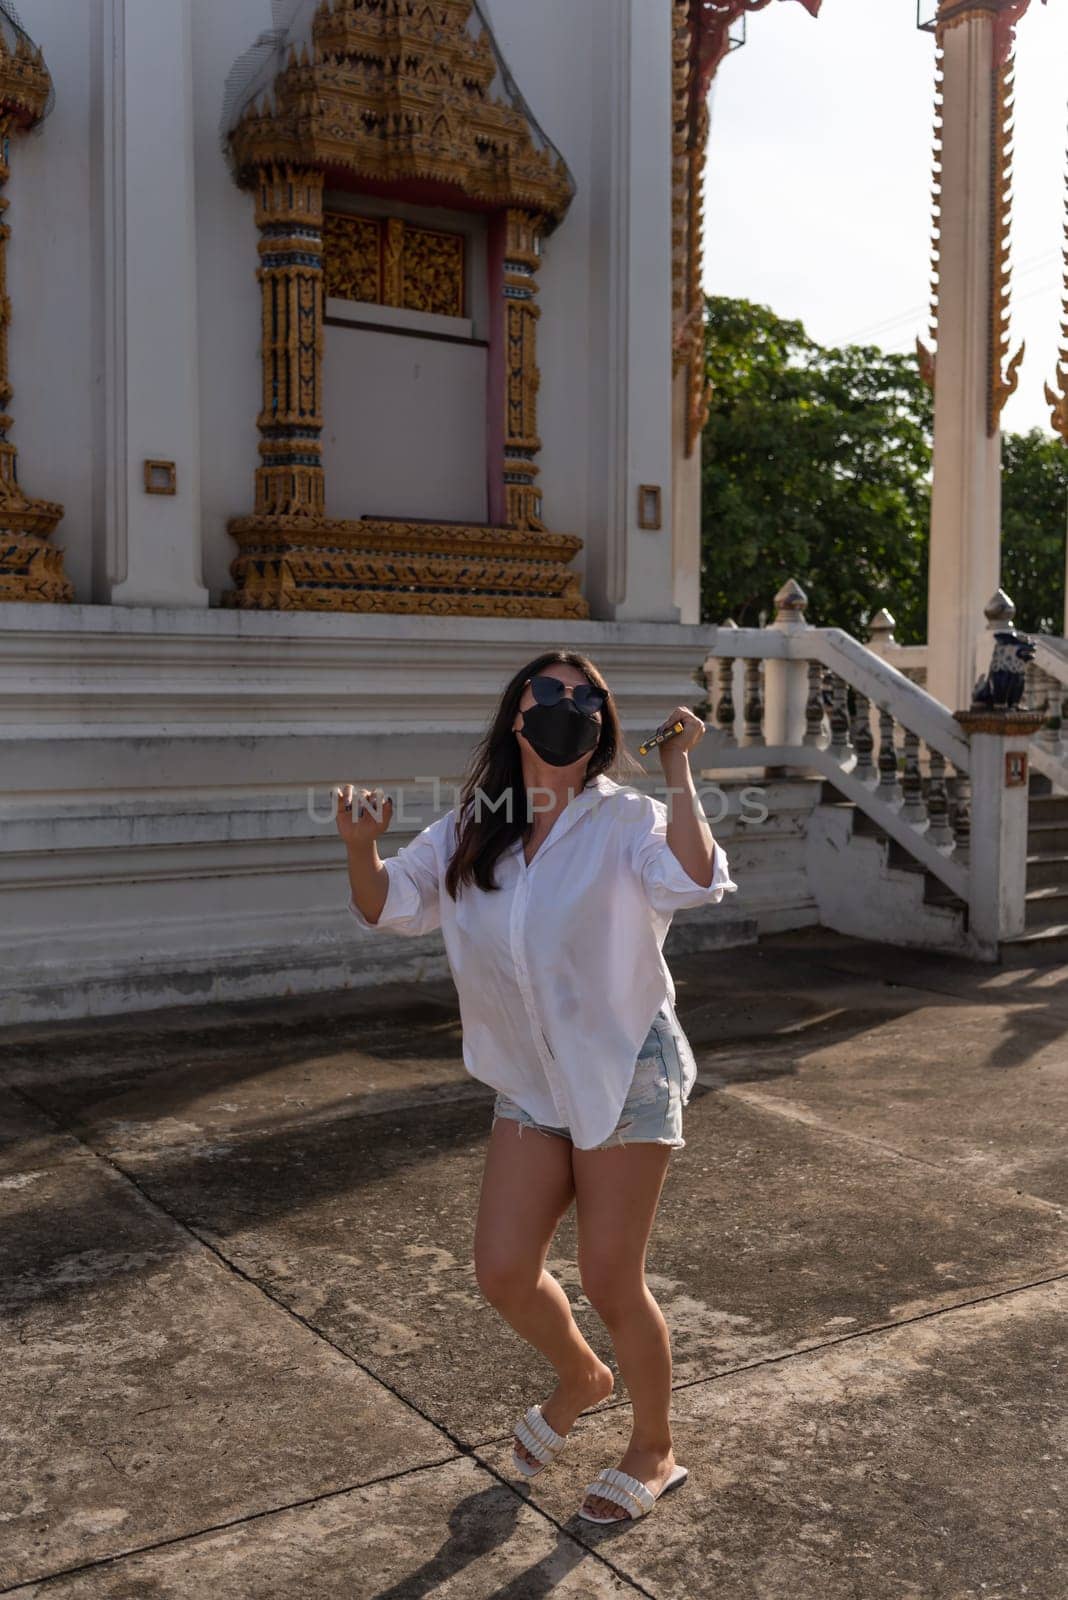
x: 652, y: 1111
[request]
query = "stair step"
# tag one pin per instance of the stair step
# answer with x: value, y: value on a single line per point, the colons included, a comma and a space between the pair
x: 1043, y: 808
x: 1034, y: 932
x: 1045, y: 905
x: 1045, y: 836
x: 1047, y: 891
x: 1049, y: 868
x: 1047, y: 943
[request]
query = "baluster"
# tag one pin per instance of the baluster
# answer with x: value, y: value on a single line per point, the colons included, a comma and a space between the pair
x: 725, y: 703
x: 840, y: 745
x: 754, y: 702
x: 939, y: 832
x: 962, y: 812
x: 1057, y: 723
x: 814, y: 705
x: 863, y: 739
x: 889, y: 788
x: 1033, y: 697
x: 914, y: 807
x: 1049, y: 735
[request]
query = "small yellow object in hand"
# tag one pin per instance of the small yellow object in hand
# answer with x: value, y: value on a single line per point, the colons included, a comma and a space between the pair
x: 660, y: 737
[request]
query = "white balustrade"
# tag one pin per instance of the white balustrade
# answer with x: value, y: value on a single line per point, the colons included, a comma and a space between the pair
x: 830, y: 705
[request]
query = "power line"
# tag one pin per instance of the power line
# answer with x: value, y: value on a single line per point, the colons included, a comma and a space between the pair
x: 888, y: 324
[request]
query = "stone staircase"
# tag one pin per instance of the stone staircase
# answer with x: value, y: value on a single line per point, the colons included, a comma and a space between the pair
x: 865, y: 881
x: 1047, y: 865
x: 935, y: 904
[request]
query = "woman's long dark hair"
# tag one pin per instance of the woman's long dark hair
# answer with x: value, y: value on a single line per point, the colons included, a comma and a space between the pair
x: 496, y: 769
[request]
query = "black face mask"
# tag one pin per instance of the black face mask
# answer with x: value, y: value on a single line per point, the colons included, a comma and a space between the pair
x: 561, y: 733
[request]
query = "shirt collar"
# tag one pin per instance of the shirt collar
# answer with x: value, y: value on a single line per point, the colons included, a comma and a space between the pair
x: 584, y: 801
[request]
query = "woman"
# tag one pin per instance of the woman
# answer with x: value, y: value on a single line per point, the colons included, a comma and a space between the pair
x: 554, y: 886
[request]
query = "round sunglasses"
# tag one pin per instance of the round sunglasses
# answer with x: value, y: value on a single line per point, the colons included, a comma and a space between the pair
x: 549, y: 691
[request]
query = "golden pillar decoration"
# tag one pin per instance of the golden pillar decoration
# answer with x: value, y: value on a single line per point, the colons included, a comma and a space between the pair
x: 700, y: 389
x: 1004, y: 372
x: 689, y: 146
x: 521, y: 441
x: 701, y: 38
x: 30, y: 567
x: 925, y: 353
x: 1058, y: 398
x: 289, y: 215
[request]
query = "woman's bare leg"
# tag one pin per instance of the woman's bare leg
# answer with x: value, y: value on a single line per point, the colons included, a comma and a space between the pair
x: 527, y: 1186
x: 617, y: 1191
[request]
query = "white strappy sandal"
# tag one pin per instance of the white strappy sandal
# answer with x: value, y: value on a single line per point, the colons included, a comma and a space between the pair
x: 630, y: 1493
x: 540, y: 1439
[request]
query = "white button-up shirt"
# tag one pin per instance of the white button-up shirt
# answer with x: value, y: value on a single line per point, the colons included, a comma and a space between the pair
x: 560, y: 971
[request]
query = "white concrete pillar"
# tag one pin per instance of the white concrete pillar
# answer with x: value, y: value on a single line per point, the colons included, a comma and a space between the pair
x: 966, y: 495
x: 151, y: 541
x: 632, y: 577
x: 999, y: 821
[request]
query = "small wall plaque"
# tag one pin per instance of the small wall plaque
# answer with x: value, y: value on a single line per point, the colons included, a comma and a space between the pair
x: 1015, y: 768
x: 649, y: 505
x: 161, y: 477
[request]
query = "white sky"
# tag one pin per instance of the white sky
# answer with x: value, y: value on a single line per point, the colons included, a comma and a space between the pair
x: 819, y: 176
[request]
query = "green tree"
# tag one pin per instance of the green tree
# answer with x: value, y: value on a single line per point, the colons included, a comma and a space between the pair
x: 1034, y: 510
x: 815, y: 465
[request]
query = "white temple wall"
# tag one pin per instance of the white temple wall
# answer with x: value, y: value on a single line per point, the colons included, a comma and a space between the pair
x: 604, y: 403
x: 155, y: 754
x: 228, y: 295
x: 551, y: 51
x: 53, y: 284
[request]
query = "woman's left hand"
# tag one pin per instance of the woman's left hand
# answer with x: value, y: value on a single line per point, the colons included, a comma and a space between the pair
x: 693, y: 731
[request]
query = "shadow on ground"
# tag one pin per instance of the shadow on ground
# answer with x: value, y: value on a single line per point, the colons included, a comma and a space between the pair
x: 244, y: 1347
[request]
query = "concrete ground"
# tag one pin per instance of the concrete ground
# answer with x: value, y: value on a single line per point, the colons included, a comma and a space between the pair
x: 244, y: 1354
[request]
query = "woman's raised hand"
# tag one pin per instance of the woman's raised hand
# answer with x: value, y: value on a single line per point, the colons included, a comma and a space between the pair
x: 362, y: 814
x: 693, y: 731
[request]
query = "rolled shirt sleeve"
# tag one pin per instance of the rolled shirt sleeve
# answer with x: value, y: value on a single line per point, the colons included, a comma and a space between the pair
x: 416, y: 874
x: 668, y: 885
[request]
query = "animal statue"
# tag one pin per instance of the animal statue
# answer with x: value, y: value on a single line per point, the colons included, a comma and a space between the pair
x: 1002, y: 686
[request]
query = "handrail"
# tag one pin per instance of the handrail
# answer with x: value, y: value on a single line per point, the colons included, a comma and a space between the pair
x: 817, y: 699
x: 874, y: 676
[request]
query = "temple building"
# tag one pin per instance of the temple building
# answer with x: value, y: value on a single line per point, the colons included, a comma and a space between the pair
x: 351, y: 353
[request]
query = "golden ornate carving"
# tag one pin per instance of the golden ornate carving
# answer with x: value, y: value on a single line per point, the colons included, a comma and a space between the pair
x: 680, y: 171
x: 1058, y: 398
x: 925, y: 355
x: 31, y: 568
x: 688, y: 153
x: 700, y: 40
x: 393, y: 93
x: 394, y: 263
x: 400, y: 91
x: 1004, y: 14
x: 352, y: 256
x: 1003, y: 372
x: 377, y: 565
x: 433, y: 271
x: 289, y: 213
x: 522, y: 378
